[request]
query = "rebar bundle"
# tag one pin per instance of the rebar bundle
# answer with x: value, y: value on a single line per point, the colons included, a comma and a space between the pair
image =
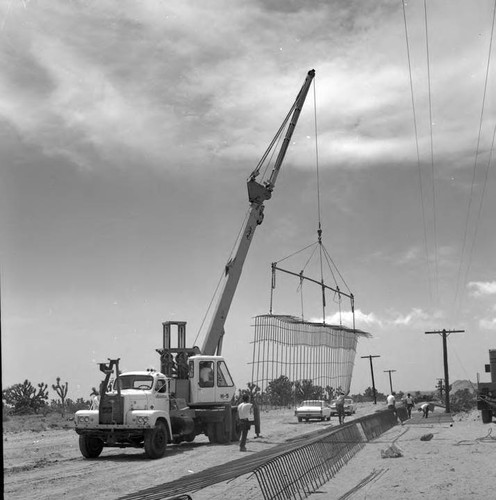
x: 300, y: 350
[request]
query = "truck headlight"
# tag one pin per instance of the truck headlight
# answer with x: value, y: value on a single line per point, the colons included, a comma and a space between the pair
x: 142, y: 420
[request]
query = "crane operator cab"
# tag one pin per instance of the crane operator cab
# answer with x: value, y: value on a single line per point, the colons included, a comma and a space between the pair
x: 210, y: 380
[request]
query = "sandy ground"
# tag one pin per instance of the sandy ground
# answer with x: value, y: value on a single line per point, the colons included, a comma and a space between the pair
x: 458, y: 463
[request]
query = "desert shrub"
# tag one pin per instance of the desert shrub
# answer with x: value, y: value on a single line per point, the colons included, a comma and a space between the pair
x: 79, y: 404
x: 279, y: 392
x: 463, y: 400
x: 25, y: 398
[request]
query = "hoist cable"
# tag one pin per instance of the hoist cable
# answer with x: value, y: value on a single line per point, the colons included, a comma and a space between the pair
x: 465, y: 234
x: 337, y: 270
x: 318, y: 181
x: 434, y: 210
x: 276, y: 139
x: 323, y: 253
x: 316, y: 151
x: 309, y: 258
x: 297, y: 252
x: 422, y: 201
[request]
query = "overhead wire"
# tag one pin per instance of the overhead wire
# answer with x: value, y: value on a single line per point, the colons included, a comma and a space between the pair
x: 434, y: 209
x: 419, y: 169
x: 472, y: 186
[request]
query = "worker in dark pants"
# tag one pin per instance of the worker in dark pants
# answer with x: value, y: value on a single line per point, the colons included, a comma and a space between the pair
x: 340, y: 407
x: 245, y: 413
x: 409, y: 405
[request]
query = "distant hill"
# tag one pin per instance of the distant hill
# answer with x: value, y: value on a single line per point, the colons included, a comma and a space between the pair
x: 457, y: 385
x: 460, y: 385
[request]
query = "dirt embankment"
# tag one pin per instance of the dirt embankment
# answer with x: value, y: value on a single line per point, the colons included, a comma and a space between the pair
x: 47, y: 464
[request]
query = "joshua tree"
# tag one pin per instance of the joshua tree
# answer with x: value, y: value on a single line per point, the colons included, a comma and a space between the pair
x: 61, y: 390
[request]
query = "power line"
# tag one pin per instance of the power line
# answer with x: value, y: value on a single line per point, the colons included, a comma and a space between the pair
x: 434, y: 210
x: 422, y: 202
x: 465, y: 233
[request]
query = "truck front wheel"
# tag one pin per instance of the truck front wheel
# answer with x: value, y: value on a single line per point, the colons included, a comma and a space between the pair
x: 90, y: 447
x: 156, y: 441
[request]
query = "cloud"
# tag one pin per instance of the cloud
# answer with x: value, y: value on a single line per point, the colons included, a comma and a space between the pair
x: 487, y: 323
x: 362, y: 320
x: 127, y: 83
x: 415, y: 316
x: 482, y: 288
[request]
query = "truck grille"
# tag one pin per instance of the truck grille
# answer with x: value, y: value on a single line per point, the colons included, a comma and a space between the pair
x: 112, y: 410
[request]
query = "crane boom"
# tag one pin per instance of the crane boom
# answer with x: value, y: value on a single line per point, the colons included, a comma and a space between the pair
x: 257, y: 194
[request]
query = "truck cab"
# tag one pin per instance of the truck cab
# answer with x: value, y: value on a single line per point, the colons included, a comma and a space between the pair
x: 133, y: 410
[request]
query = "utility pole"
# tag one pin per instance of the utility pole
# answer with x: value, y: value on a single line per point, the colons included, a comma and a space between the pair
x: 390, y: 380
x: 445, y: 333
x: 372, y: 372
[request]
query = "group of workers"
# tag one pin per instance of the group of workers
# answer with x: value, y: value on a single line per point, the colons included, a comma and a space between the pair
x: 409, y: 403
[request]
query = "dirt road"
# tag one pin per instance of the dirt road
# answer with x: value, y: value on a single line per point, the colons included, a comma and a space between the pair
x: 459, y: 462
x: 48, y: 465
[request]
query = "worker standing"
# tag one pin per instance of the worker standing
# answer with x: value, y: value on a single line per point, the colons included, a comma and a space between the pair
x: 409, y: 405
x: 391, y: 402
x: 245, y: 413
x: 340, y: 407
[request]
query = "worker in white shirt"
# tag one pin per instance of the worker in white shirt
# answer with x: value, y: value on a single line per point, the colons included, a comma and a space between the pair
x: 245, y: 413
x: 391, y: 402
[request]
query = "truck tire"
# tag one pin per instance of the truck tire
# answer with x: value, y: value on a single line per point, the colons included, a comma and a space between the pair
x: 487, y: 416
x: 90, y: 447
x: 156, y: 441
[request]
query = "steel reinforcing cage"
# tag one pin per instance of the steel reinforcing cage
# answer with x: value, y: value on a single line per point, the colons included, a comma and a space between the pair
x: 301, y: 350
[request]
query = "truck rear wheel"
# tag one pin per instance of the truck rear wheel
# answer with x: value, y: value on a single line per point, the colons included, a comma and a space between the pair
x: 156, y: 441
x: 487, y: 416
x: 90, y: 447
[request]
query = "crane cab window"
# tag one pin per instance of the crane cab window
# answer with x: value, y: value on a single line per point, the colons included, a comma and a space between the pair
x: 223, y: 376
x: 161, y: 386
x: 206, y: 374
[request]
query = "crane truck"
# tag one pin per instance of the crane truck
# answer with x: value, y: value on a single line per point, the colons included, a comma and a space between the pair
x: 486, y: 392
x: 193, y: 392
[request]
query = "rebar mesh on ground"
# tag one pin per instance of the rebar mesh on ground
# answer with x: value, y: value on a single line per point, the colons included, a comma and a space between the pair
x: 298, y: 473
x: 327, y: 451
x: 300, y: 350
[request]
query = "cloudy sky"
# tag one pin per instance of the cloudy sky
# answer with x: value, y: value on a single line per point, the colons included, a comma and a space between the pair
x: 127, y: 132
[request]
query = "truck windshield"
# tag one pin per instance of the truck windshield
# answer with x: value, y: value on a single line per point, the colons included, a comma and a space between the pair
x: 144, y: 382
